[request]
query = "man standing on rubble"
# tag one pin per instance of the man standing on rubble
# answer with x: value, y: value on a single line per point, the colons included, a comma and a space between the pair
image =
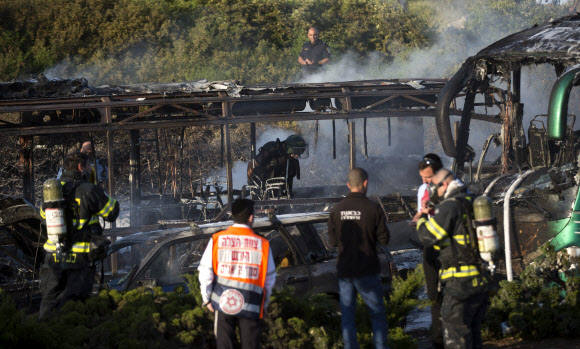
x: 428, y: 166
x: 69, y: 269
x: 356, y: 225
x: 99, y: 171
x: 236, y: 277
x: 315, y: 53
x: 278, y: 159
x: 464, y: 288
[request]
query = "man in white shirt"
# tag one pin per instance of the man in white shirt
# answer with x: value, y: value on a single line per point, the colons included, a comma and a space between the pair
x: 429, y: 165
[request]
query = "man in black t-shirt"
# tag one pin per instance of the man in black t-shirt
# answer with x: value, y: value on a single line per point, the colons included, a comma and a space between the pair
x: 315, y: 53
x: 356, y: 226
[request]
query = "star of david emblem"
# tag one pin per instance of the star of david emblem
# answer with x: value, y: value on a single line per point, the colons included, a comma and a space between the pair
x: 231, y: 301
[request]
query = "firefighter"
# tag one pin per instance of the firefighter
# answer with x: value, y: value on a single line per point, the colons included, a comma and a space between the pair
x: 461, y: 279
x: 315, y: 53
x: 278, y: 159
x: 69, y: 269
x: 236, y: 277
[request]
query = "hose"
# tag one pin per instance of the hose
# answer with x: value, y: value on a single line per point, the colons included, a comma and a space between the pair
x: 506, y: 223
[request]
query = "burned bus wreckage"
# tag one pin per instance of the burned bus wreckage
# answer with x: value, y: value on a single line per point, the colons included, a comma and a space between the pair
x: 43, y: 111
x: 533, y: 184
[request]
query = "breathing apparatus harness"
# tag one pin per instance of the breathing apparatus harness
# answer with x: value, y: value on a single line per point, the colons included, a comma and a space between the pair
x: 60, y: 207
x: 480, y: 224
x: 59, y: 211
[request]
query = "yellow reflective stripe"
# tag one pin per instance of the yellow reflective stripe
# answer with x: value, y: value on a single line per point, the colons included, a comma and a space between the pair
x: 42, y: 214
x: 81, y: 247
x: 463, y: 271
x: 462, y: 239
x: 49, y: 246
x: 420, y: 222
x: 435, y: 229
x: 81, y: 223
x: 437, y: 248
x: 108, y: 208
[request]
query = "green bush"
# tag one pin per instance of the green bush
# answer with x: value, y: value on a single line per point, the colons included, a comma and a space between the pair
x: 155, y: 319
x: 128, y: 41
x: 541, y: 303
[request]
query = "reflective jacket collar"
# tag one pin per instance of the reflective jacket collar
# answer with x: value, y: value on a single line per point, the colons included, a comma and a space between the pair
x: 68, y: 176
x: 455, y: 188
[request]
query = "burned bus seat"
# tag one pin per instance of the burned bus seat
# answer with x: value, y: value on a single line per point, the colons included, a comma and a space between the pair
x: 538, y: 151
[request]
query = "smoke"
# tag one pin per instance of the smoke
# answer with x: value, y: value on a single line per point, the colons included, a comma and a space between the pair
x: 453, y: 44
x: 131, y: 66
x: 392, y: 168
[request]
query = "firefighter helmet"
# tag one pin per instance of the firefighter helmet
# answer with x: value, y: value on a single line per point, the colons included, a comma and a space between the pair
x: 295, y: 144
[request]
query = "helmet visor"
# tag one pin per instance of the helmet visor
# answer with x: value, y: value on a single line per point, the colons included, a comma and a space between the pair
x: 301, y: 151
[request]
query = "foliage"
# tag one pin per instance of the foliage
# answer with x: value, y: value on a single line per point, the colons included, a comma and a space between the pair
x: 542, y: 303
x: 403, y: 297
x: 151, y: 318
x: 131, y: 41
x: 534, y: 306
x: 17, y: 329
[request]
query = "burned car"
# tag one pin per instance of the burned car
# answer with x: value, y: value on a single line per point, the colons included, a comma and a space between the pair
x: 303, y: 259
x: 21, y: 252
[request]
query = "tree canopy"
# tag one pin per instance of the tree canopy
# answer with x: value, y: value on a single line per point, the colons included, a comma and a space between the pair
x: 130, y: 41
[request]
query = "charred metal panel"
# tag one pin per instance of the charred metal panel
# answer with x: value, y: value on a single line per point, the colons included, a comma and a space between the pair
x: 268, y: 107
x: 557, y: 42
x: 380, y: 103
x: 199, y: 103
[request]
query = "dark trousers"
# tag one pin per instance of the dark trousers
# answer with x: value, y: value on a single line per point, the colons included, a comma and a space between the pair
x: 225, y: 331
x: 431, y: 269
x: 59, y: 285
x: 462, y: 320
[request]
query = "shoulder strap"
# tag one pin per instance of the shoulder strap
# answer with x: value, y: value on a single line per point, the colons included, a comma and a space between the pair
x: 69, y: 189
x: 470, y: 251
x: 68, y: 192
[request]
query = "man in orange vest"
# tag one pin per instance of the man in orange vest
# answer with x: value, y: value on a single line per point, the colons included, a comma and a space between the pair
x: 236, y: 277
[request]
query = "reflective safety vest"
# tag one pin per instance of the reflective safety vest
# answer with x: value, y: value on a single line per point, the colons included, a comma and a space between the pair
x: 240, y: 261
